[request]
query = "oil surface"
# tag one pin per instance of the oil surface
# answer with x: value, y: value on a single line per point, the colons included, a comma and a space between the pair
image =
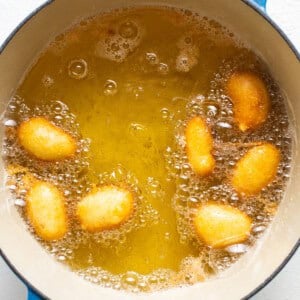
x: 124, y: 84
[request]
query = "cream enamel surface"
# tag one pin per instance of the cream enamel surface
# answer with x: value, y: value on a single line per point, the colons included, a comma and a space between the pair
x: 245, y: 274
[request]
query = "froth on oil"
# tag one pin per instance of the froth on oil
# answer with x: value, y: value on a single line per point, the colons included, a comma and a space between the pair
x: 125, y: 85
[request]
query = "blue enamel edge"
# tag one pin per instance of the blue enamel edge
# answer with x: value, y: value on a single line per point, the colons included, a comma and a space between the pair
x: 260, y: 3
x: 31, y: 295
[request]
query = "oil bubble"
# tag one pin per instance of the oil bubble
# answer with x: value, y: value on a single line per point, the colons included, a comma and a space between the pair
x: 223, y: 128
x: 20, y: 202
x: 258, y: 229
x: 137, y: 129
x: 143, y: 286
x: 188, y: 40
x: 165, y: 113
x: 115, y: 47
x: 47, y: 81
x: 163, y: 69
x: 10, y: 123
x: 167, y: 236
x: 61, y: 257
x: 211, y: 109
x: 137, y: 91
x: 78, y: 69
x: 125, y: 46
x: 130, y: 278
x: 153, y: 279
x: 128, y: 30
x: 110, y: 88
x: 237, y: 248
x: 152, y: 58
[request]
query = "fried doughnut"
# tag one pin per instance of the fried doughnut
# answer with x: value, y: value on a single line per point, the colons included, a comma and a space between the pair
x: 104, y: 208
x: 220, y: 225
x: 45, y: 210
x: 256, y: 169
x: 250, y: 99
x: 45, y: 140
x: 199, y: 145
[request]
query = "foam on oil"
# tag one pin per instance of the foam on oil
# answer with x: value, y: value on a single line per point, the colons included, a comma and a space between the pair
x: 124, y: 85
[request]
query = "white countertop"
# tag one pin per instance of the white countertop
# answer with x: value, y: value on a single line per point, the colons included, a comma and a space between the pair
x: 286, y: 286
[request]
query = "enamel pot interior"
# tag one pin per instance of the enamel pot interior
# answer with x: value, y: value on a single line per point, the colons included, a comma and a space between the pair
x: 52, y: 278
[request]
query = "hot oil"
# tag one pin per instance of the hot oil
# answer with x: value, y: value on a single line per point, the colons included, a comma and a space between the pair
x: 124, y: 85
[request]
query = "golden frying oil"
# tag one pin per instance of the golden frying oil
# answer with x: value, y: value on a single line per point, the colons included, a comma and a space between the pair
x: 124, y: 84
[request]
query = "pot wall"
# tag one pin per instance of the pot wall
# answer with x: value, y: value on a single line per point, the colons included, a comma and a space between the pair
x: 52, y: 278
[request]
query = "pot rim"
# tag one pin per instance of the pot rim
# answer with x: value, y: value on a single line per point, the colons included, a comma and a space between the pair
x: 263, y: 14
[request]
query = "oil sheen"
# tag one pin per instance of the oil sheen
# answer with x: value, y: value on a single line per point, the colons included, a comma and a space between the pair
x: 124, y: 84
